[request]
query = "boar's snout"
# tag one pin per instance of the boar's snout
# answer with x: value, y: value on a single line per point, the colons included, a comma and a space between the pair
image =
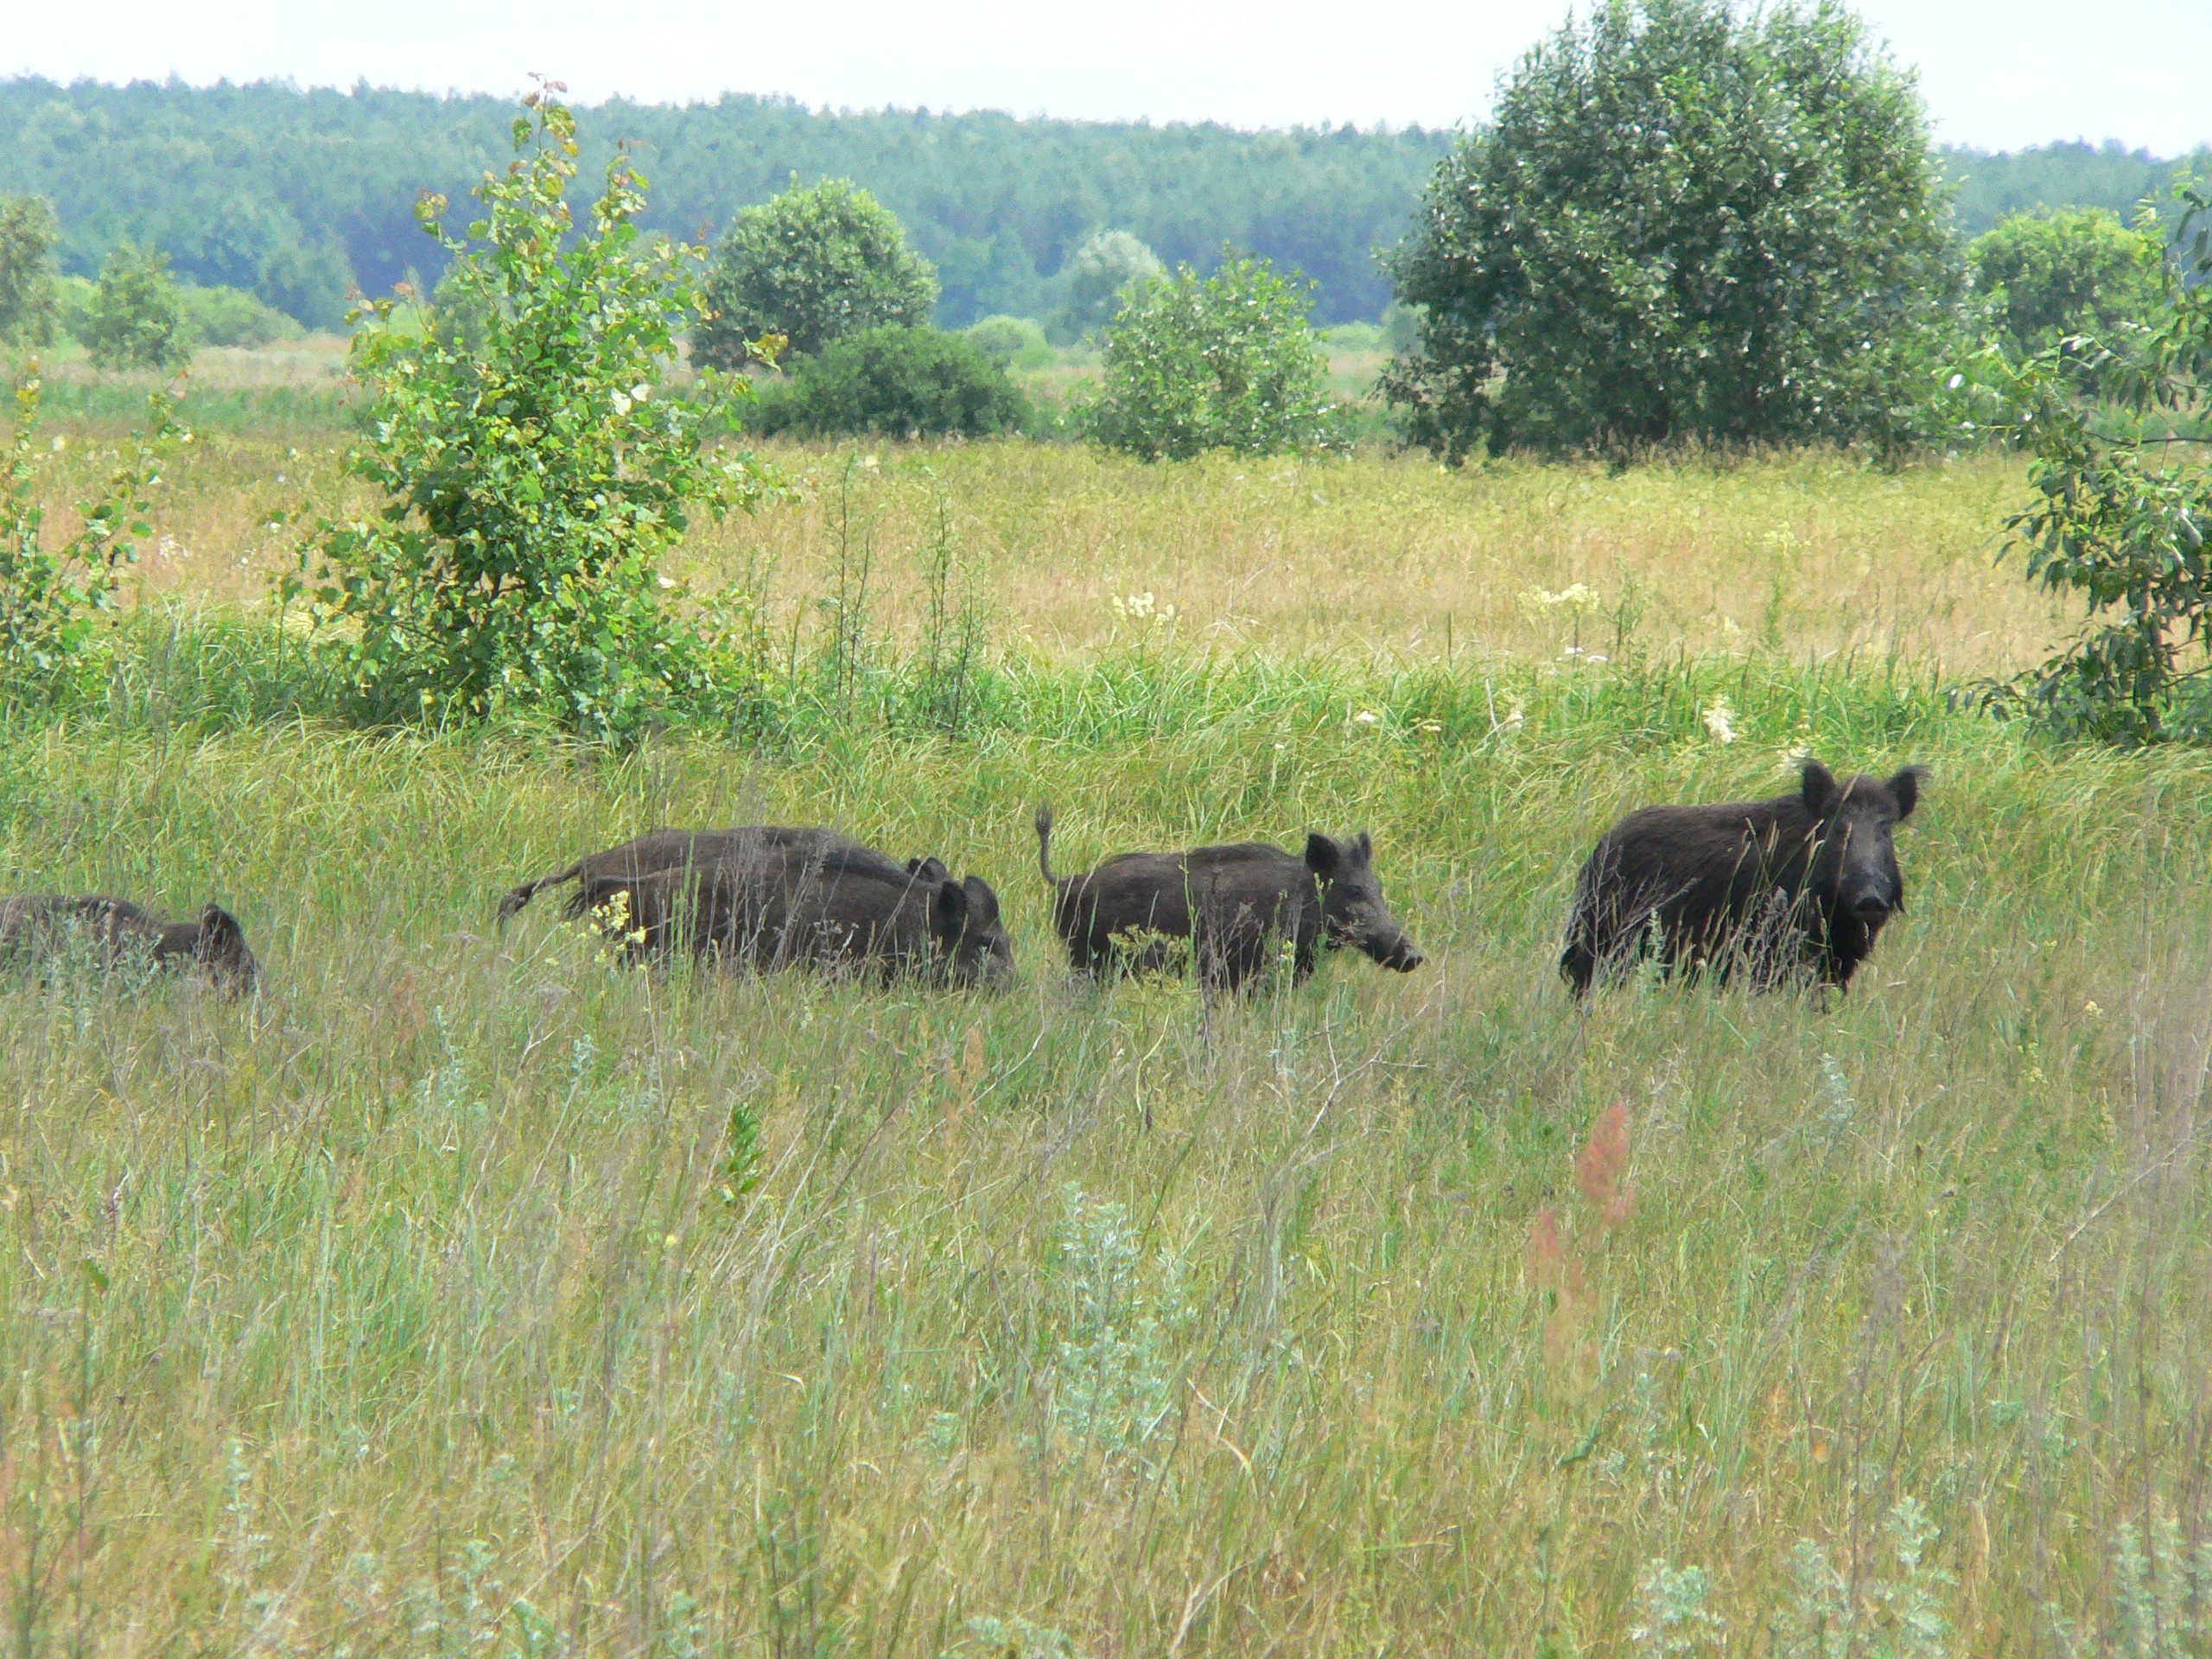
x: 1403, y: 956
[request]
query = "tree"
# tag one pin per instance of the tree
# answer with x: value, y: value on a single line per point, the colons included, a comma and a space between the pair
x: 813, y: 266
x: 309, y: 284
x: 2122, y: 510
x: 27, y: 233
x: 1097, y: 274
x: 2069, y: 271
x: 1229, y: 361
x: 1682, y: 225
x: 899, y: 382
x: 532, y: 479
x: 136, y: 320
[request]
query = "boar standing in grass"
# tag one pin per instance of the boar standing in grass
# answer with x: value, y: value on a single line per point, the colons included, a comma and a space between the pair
x: 769, y: 897
x: 112, y: 933
x: 1789, y: 890
x: 1232, y: 906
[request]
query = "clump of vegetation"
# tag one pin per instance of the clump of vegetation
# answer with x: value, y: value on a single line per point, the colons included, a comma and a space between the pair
x: 1011, y: 342
x: 899, y: 382
x: 1097, y: 277
x: 2122, y: 512
x: 2046, y: 275
x: 53, y: 598
x: 532, y: 477
x: 1685, y: 223
x: 1229, y: 361
x: 234, y: 316
x: 27, y: 233
x: 817, y: 264
x: 134, y: 318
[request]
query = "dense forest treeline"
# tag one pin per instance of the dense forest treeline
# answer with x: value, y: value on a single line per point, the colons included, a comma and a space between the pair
x: 298, y: 193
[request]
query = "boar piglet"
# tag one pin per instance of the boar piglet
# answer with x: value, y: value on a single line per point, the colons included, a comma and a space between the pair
x: 1791, y: 889
x: 111, y: 933
x: 1231, y: 906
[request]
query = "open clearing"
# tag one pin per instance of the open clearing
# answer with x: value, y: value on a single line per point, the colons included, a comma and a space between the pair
x: 435, y: 1302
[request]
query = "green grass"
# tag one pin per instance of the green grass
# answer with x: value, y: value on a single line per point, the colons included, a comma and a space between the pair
x: 431, y: 1303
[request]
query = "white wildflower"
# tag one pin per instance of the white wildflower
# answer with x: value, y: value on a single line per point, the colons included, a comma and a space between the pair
x: 1720, y: 721
x: 1366, y: 717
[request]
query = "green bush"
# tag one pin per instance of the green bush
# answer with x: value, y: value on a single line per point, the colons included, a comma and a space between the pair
x: 28, y: 304
x: 52, y: 597
x: 311, y: 285
x: 134, y: 319
x: 232, y: 316
x: 1687, y: 222
x: 2045, y: 276
x: 1229, y: 361
x: 1012, y: 343
x: 897, y: 382
x: 533, y: 478
x: 1097, y: 277
x: 2121, y: 516
x: 813, y: 266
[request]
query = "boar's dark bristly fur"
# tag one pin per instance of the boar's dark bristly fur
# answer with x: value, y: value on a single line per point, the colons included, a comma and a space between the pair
x: 767, y: 897
x: 1791, y: 889
x: 1234, y: 905
x: 113, y: 931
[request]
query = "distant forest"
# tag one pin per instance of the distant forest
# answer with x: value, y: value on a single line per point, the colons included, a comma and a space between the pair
x: 298, y: 192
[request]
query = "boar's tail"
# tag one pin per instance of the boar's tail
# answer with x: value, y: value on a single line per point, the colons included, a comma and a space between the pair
x: 1045, y: 845
x: 511, y: 906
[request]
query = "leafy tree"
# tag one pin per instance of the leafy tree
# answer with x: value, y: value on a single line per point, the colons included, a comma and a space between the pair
x: 27, y: 233
x: 136, y: 320
x: 232, y: 316
x: 813, y: 266
x: 1011, y: 342
x: 532, y: 481
x: 1682, y: 224
x: 309, y: 284
x: 899, y: 382
x: 51, y: 597
x: 2122, y: 512
x: 1229, y: 361
x: 2073, y: 271
x: 1097, y: 276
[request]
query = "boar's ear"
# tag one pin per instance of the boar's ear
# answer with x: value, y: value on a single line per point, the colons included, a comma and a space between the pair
x: 1322, y: 855
x: 928, y: 867
x: 949, y: 910
x: 1906, y: 787
x: 221, y: 938
x: 1817, y: 785
x: 1366, y: 845
x: 982, y: 903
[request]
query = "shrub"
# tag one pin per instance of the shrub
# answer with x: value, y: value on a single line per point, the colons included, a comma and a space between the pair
x: 2049, y: 275
x: 533, y: 479
x: 232, y: 316
x: 1229, y: 361
x: 899, y: 382
x: 813, y: 266
x: 1098, y: 276
x: 51, y: 598
x: 1011, y: 342
x: 2122, y: 518
x: 27, y: 233
x: 1684, y: 224
x: 309, y: 285
x: 136, y: 318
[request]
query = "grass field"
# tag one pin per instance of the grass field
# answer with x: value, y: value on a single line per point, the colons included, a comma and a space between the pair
x: 465, y: 1293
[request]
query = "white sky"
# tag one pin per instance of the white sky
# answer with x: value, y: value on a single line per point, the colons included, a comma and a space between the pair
x: 1999, y: 75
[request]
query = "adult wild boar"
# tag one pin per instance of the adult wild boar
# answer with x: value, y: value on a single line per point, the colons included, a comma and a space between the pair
x: 1795, y: 888
x: 112, y: 933
x: 1235, y: 904
x: 769, y: 897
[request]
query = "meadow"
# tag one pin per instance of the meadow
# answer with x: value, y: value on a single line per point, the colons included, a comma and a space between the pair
x: 465, y: 1293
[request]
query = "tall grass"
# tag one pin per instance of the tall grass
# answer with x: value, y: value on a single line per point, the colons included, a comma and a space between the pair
x: 467, y: 1293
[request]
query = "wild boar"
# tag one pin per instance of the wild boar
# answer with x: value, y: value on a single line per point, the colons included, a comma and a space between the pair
x: 112, y: 933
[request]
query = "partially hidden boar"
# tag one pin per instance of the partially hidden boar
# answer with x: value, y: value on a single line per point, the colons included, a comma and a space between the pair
x: 1792, y: 890
x: 1235, y: 905
x: 768, y: 896
x: 113, y: 932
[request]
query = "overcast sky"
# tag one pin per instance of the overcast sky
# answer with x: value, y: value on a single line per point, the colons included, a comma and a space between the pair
x: 2000, y: 76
